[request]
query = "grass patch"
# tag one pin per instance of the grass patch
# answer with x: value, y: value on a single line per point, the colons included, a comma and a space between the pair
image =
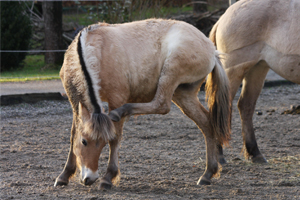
x: 31, y: 71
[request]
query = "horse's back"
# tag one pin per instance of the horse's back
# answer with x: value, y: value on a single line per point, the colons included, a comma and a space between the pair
x: 273, y: 22
x: 141, y: 50
x: 126, y: 61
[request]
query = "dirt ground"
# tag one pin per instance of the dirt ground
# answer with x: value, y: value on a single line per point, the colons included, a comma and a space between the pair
x: 161, y: 157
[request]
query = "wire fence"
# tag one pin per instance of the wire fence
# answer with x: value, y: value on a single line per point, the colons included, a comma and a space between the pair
x: 78, y: 14
x: 30, y: 51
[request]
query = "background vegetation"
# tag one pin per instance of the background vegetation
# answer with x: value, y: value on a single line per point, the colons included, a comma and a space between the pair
x: 15, y: 34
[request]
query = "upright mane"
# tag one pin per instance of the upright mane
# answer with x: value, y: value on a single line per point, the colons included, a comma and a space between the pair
x: 99, y: 125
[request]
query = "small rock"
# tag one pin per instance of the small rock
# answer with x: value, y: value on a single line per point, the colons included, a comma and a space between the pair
x: 259, y: 112
x: 238, y: 191
x: 270, y: 111
x: 285, y: 183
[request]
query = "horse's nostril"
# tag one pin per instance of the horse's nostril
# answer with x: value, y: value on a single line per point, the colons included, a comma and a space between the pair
x: 87, y: 181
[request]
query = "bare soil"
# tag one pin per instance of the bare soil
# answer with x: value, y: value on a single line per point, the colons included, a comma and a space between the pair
x: 161, y: 157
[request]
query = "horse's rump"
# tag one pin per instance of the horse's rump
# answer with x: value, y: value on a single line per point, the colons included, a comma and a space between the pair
x: 275, y: 22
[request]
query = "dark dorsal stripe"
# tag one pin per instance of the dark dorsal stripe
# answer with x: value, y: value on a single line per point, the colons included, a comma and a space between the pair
x: 88, y: 78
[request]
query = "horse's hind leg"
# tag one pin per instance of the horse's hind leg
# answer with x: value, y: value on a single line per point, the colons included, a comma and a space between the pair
x: 186, y: 98
x: 235, y: 75
x: 252, y: 86
x: 70, y: 166
x: 222, y: 159
x: 113, y: 173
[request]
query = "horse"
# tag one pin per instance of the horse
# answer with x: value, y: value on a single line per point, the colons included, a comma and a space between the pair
x: 253, y: 37
x: 139, y: 68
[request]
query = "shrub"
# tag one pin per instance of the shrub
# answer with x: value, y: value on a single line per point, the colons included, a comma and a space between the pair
x: 15, y: 33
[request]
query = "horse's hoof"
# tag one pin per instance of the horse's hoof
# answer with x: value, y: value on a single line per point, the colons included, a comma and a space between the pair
x: 60, y: 183
x: 114, y: 116
x: 222, y: 161
x: 203, y: 181
x: 105, y: 186
x: 259, y: 159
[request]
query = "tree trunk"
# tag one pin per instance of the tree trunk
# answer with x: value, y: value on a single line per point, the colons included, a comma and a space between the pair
x: 52, y: 12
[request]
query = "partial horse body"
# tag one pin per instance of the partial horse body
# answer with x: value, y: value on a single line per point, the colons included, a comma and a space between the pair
x: 254, y: 36
x: 139, y: 68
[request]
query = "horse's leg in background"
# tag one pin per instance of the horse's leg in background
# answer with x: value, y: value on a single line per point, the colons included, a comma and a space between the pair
x: 222, y: 159
x: 252, y: 86
x: 185, y: 97
x: 112, y: 175
x: 235, y: 75
x: 70, y: 166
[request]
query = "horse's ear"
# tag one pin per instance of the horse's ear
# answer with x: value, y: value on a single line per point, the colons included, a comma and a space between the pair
x: 84, y: 113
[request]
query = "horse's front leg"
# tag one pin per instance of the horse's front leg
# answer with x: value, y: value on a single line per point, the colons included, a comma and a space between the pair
x: 69, y: 169
x: 70, y: 166
x: 161, y: 103
x: 112, y: 175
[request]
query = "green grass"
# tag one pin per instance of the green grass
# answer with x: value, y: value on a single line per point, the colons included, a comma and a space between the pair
x: 32, y: 70
x: 82, y: 19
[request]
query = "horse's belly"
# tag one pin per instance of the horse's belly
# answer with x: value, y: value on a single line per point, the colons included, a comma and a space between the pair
x: 285, y: 65
x: 288, y: 67
x: 144, y: 90
x: 142, y: 97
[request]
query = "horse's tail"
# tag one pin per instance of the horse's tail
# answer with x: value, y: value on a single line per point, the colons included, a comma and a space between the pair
x: 219, y: 102
x: 212, y: 34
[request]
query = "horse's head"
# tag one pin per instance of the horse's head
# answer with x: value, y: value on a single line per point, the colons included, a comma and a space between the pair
x: 93, y: 131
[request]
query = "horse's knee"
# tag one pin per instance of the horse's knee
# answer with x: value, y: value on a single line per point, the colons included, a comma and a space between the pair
x: 123, y: 111
x: 163, y: 107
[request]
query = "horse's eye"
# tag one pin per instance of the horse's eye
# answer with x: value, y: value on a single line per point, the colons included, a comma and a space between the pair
x: 84, y: 142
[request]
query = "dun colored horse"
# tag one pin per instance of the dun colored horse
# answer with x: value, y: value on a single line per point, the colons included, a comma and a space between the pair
x: 139, y: 68
x: 255, y: 36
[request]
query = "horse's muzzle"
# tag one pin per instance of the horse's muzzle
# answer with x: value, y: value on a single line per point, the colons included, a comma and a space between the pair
x: 87, y: 181
x: 88, y: 177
